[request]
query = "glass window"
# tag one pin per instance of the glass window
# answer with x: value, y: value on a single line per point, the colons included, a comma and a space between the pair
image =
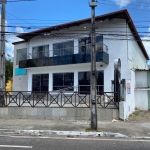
x: 99, y: 43
x: 64, y: 48
x: 63, y: 81
x: 40, y: 82
x: 40, y: 51
x: 21, y: 54
x: 84, y: 81
x: 85, y: 44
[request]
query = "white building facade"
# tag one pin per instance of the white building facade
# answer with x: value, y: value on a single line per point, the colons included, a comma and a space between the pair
x: 59, y: 57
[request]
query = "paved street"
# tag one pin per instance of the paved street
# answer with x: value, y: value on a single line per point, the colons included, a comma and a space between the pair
x: 8, y: 142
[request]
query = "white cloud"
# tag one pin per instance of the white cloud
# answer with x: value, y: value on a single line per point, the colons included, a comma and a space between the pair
x: 12, y: 38
x: 123, y: 3
x: 147, y: 43
x: 19, y: 29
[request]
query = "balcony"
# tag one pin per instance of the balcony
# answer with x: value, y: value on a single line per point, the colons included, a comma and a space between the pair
x: 65, y: 58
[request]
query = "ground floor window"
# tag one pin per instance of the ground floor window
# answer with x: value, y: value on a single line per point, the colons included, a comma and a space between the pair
x: 84, y: 81
x: 63, y: 81
x: 40, y: 82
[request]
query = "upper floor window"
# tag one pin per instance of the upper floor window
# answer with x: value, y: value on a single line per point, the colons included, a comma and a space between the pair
x: 40, y: 51
x: 85, y: 44
x: 64, y: 48
x: 21, y: 54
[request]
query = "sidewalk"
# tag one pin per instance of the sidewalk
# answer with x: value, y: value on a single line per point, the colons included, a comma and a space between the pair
x: 132, y: 129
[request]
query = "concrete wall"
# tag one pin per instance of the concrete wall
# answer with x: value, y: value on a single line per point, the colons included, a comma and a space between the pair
x: 141, y: 99
x: 127, y: 107
x: 20, y: 82
x: 57, y: 113
x: 141, y: 93
x: 148, y: 84
x: 136, y: 58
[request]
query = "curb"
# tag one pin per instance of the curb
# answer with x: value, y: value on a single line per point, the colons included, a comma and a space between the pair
x: 67, y: 133
x: 141, y: 137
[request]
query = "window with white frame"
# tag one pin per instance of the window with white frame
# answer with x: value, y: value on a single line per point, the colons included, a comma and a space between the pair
x: 84, y: 80
x: 85, y: 44
x: 40, y: 51
x: 63, y: 48
x: 21, y: 54
x: 63, y: 81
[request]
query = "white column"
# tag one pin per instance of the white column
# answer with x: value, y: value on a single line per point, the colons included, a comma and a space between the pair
x: 29, y: 80
x: 75, y: 80
x: 51, y: 50
x: 76, y: 48
x: 50, y: 82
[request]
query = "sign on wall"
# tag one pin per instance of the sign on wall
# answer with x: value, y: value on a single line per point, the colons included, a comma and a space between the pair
x: 128, y: 88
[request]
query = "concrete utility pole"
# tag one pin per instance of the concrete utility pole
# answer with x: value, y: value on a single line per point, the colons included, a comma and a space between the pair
x: 93, y: 4
x: 2, y: 46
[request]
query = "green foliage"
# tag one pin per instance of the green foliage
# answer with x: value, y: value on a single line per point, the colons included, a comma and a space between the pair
x: 9, y: 70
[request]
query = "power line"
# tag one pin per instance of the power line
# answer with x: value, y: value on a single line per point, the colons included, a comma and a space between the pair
x: 136, y: 3
x: 17, y: 0
x: 39, y: 19
x: 19, y: 18
x: 128, y: 7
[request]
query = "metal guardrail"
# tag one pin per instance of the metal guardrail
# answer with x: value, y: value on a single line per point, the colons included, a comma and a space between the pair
x: 63, y: 52
x: 58, y: 99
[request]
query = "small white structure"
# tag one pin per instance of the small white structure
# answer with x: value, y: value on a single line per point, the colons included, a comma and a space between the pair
x: 59, y: 57
x: 142, y: 90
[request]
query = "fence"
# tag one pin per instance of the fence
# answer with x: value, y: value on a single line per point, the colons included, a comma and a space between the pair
x: 57, y: 99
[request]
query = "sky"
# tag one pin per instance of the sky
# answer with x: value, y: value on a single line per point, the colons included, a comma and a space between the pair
x: 25, y: 16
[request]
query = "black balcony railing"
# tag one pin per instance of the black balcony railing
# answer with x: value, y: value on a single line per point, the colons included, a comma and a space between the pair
x: 64, y: 60
x: 65, y: 56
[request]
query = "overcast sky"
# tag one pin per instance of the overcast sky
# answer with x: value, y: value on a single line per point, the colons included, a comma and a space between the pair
x: 26, y: 16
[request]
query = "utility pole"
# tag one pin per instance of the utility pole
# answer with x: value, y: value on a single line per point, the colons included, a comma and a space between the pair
x: 2, y: 46
x: 93, y: 4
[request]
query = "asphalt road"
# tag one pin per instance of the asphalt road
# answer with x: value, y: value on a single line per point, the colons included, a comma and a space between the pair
x: 8, y: 142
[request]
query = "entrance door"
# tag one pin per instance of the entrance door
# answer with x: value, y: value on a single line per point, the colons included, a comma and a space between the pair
x: 40, y: 82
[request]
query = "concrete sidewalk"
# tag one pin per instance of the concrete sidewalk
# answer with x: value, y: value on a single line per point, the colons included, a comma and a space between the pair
x: 129, y: 129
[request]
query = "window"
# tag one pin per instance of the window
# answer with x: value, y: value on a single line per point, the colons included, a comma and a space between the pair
x: 63, y: 81
x: 40, y: 82
x: 84, y: 81
x: 21, y: 54
x: 40, y: 51
x: 85, y: 44
x: 65, y: 48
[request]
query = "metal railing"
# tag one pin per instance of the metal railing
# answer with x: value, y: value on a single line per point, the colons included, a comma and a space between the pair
x: 57, y: 99
x: 64, y: 51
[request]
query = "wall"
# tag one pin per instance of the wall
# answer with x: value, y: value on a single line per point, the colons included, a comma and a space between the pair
x: 127, y: 107
x: 136, y: 58
x: 148, y: 84
x: 141, y: 93
x: 20, y: 82
x: 57, y: 113
x: 141, y: 99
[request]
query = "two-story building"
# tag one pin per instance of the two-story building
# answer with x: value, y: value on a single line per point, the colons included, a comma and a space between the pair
x: 58, y: 57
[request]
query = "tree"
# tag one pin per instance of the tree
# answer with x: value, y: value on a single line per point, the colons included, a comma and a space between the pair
x: 9, y: 70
